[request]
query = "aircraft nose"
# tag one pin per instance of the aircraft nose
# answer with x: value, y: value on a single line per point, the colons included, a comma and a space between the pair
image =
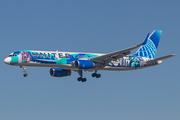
x: 7, y: 60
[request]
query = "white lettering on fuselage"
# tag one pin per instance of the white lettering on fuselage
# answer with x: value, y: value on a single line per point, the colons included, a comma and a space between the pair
x: 59, y: 55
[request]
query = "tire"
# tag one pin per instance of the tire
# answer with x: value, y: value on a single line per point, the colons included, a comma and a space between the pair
x: 94, y: 75
x: 98, y: 75
x: 79, y: 79
x: 25, y: 75
x: 84, y: 80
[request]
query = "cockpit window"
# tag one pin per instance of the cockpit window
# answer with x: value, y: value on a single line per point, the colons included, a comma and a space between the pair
x: 12, y: 55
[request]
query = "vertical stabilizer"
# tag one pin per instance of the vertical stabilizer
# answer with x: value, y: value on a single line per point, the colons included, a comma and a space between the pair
x: 151, y: 44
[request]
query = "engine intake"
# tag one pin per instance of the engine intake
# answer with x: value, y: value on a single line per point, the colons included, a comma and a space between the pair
x: 84, y: 64
x: 58, y: 72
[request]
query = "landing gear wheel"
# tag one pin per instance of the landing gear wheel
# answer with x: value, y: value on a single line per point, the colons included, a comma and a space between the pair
x: 94, y: 75
x: 98, y: 75
x: 79, y: 79
x: 84, y: 80
x: 25, y: 74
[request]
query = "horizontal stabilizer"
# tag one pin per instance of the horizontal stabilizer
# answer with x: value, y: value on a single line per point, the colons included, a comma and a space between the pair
x: 161, y: 58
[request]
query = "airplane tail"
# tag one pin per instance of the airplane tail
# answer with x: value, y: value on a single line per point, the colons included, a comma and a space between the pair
x: 150, y: 46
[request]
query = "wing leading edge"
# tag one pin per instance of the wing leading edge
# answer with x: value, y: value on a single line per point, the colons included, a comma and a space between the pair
x: 105, y: 59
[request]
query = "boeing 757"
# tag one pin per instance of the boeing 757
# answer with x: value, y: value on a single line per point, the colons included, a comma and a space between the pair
x: 62, y: 63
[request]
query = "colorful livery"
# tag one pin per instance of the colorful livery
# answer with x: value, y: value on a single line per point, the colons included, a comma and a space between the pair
x: 62, y: 63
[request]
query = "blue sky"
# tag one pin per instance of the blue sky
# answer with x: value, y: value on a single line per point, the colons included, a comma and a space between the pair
x: 89, y: 26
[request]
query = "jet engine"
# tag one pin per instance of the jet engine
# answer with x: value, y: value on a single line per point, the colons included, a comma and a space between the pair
x: 58, y: 72
x: 84, y: 64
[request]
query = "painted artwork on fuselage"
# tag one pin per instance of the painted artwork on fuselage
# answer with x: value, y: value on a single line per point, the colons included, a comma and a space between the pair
x: 45, y: 57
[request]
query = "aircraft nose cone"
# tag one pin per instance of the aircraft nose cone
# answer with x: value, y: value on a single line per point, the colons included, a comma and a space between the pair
x: 7, y: 60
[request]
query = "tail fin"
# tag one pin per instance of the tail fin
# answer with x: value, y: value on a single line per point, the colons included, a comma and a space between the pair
x: 151, y: 44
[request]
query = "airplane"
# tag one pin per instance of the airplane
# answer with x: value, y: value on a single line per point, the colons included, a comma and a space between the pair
x: 62, y: 63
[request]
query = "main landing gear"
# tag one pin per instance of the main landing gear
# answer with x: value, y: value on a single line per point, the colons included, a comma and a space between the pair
x: 81, y: 78
x: 80, y: 72
x: 96, y: 75
x: 24, y: 70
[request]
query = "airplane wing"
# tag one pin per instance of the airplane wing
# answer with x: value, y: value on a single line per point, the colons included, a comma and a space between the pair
x: 105, y: 59
x: 161, y: 58
x: 114, y: 55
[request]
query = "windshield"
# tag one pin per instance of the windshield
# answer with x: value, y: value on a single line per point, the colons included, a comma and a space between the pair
x: 12, y: 55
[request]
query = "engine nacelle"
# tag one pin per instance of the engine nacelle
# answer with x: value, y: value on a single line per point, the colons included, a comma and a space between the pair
x: 84, y: 64
x: 58, y: 72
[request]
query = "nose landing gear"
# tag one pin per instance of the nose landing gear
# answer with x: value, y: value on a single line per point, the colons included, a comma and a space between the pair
x: 24, y: 70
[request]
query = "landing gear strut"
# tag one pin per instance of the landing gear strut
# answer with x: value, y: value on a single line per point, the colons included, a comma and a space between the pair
x: 81, y: 78
x: 24, y: 70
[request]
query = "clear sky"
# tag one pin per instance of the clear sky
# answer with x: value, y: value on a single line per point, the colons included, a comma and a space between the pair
x: 100, y: 26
